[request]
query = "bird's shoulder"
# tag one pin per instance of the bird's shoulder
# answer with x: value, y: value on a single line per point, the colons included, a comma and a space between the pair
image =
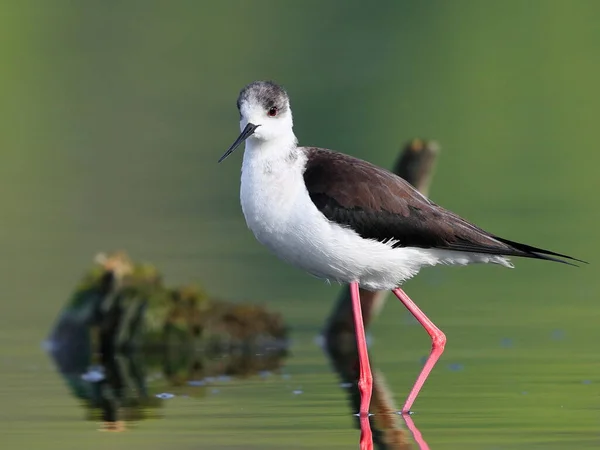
x: 356, y: 183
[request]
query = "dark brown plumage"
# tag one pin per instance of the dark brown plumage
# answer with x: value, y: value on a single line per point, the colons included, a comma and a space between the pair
x: 380, y: 205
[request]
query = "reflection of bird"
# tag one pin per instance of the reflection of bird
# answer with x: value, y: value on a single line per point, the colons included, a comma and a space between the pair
x: 344, y: 219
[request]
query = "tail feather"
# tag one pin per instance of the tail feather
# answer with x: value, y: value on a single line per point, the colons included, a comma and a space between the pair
x: 528, y: 251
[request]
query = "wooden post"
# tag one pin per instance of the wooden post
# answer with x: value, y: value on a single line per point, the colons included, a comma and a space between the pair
x: 415, y: 164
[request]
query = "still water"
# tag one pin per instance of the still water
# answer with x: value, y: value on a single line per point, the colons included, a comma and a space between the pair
x: 112, y: 119
x: 499, y: 386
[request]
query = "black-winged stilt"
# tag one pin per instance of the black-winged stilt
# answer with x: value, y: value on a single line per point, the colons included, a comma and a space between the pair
x: 346, y: 220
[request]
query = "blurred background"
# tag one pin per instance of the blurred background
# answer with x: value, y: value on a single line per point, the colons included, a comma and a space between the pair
x: 113, y: 115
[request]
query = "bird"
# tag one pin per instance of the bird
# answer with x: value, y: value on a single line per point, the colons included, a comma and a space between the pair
x: 345, y: 220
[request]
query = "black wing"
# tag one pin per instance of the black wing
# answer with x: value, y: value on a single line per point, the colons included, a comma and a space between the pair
x: 380, y: 205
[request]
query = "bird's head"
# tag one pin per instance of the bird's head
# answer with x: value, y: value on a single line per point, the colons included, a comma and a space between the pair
x: 265, y: 114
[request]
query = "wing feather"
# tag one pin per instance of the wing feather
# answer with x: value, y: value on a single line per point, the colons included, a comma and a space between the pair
x: 380, y: 205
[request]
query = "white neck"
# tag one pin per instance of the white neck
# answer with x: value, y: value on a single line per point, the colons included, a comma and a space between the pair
x: 269, y: 151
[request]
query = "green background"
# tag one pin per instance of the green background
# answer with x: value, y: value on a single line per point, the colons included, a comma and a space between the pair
x: 113, y: 115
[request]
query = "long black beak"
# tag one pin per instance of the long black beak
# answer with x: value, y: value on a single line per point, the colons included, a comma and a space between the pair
x: 245, y: 134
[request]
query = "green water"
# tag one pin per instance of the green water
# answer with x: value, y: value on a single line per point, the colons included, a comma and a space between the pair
x: 113, y: 115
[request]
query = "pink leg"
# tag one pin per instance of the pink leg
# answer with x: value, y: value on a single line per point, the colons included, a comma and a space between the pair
x: 365, y: 380
x: 438, y: 341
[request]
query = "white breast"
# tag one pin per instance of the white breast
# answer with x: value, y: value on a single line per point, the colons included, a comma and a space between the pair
x: 270, y: 192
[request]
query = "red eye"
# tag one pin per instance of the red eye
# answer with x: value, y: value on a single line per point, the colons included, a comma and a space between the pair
x: 272, y: 111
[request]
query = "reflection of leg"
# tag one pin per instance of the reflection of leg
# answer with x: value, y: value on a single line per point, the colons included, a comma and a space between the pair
x: 387, y: 425
x: 415, y: 432
x: 365, y: 380
x: 366, y: 436
x: 438, y: 341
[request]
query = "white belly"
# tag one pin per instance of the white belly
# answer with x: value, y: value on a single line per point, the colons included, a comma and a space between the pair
x: 282, y: 216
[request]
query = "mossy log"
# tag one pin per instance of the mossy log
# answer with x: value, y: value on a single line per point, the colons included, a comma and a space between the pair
x: 122, y: 322
x: 126, y: 305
